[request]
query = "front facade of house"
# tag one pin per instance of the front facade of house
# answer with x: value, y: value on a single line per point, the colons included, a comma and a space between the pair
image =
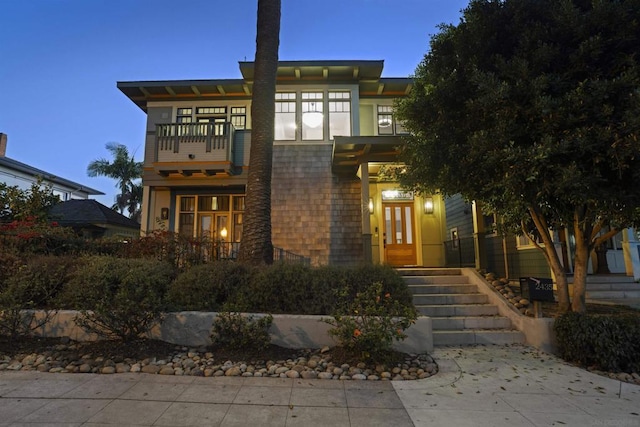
x: 336, y: 140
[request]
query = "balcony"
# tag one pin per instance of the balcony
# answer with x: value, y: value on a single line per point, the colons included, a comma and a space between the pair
x: 190, y: 149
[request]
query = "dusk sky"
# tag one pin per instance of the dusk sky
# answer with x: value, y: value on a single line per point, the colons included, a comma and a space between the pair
x: 60, y: 61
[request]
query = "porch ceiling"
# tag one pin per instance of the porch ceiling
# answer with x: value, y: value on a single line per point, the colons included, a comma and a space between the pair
x: 349, y: 152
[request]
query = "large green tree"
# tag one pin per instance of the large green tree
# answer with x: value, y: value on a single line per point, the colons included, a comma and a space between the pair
x: 257, y: 247
x: 127, y: 172
x: 533, y: 108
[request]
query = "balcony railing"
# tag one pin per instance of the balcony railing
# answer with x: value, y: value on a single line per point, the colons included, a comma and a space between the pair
x: 195, y: 142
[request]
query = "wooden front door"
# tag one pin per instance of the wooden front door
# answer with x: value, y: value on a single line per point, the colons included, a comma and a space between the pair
x: 399, y: 235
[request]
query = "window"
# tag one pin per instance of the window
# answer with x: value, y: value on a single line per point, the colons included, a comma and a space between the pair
x: 285, y: 119
x: 385, y: 120
x: 387, y: 124
x: 184, y: 115
x: 207, y: 215
x: 339, y: 114
x: 212, y: 110
x: 312, y: 116
x: 239, y: 117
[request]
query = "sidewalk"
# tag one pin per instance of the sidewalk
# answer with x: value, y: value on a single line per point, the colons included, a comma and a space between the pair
x: 476, y: 386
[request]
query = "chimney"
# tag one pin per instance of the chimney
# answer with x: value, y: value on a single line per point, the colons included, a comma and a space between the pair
x: 3, y: 144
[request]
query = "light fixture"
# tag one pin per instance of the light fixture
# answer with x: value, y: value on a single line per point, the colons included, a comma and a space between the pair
x: 428, y: 205
x: 312, y: 118
x: 370, y: 205
x: 223, y: 233
x: 384, y: 122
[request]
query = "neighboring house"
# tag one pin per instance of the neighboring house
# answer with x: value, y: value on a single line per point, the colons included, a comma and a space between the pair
x: 14, y: 173
x: 93, y: 220
x: 336, y: 139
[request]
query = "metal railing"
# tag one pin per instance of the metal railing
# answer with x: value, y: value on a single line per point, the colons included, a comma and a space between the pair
x: 460, y: 252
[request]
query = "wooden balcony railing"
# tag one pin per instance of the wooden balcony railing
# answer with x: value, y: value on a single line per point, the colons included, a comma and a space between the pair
x: 194, y: 148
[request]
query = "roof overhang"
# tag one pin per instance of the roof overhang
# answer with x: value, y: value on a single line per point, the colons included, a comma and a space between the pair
x: 349, y: 152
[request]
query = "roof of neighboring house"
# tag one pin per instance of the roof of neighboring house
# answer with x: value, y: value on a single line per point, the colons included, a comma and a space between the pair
x: 77, y: 212
x: 30, y: 170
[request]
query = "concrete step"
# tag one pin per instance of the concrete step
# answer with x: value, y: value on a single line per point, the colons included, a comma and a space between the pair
x: 457, y: 310
x: 613, y: 286
x: 458, y: 323
x: 443, y: 289
x: 609, y: 295
x: 479, y: 336
x: 429, y: 271
x: 435, y: 280
x: 449, y: 299
x: 608, y: 278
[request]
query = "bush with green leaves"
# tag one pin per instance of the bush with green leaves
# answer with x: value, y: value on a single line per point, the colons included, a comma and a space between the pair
x: 118, y: 298
x: 207, y: 287
x: 367, y: 325
x: 288, y: 288
x: 32, y: 285
x: 235, y: 331
x: 608, y: 342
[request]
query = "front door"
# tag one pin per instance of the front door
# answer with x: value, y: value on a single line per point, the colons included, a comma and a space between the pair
x: 217, y: 234
x: 399, y: 237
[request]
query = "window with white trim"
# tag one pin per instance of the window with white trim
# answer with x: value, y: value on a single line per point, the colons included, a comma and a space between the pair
x: 285, y: 118
x: 312, y: 116
x: 339, y: 114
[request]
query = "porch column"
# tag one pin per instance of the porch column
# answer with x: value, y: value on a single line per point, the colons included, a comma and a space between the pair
x: 631, y: 252
x: 364, y: 207
x: 478, y: 236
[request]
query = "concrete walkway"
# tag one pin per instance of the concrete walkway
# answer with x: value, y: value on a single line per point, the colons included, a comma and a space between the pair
x: 477, y: 386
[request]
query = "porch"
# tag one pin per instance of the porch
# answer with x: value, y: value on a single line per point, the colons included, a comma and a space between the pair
x: 194, y: 148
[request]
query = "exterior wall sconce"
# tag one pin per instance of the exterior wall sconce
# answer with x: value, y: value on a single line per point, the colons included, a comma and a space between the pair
x: 164, y: 214
x: 428, y: 205
x: 370, y: 206
x: 192, y: 156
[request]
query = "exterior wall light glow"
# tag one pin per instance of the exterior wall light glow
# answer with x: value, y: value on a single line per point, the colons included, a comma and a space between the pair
x: 223, y: 233
x: 370, y: 206
x: 428, y: 205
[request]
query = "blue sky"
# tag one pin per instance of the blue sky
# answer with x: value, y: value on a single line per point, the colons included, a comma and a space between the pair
x: 60, y: 61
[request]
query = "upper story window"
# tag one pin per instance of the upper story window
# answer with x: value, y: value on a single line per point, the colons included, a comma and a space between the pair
x: 183, y: 115
x: 285, y: 119
x: 239, y: 117
x: 312, y: 116
x: 387, y: 124
x: 339, y: 114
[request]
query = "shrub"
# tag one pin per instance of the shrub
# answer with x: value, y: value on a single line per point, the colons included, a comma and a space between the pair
x: 233, y: 331
x: 118, y: 297
x: 207, y: 287
x: 367, y: 325
x: 32, y: 285
x: 360, y: 278
x: 607, y: 342
x: 287, y: 288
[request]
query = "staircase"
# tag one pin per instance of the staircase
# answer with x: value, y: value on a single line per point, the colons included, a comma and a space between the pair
x: 460, y: 314
x: 613, y: 289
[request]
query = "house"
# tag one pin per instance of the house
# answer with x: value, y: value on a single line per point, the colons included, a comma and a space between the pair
x: 14, y: 173
x: 91, y: 219
x: 336, y: 140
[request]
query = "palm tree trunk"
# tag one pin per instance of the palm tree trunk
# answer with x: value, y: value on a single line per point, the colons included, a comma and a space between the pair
x: 256, y: 247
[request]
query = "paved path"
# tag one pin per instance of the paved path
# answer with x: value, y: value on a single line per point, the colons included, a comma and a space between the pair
x: 477, y: 386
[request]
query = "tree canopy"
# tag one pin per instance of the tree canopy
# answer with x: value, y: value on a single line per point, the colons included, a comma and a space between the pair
x: 533, y: 108
x: 126, y: 171
x: 18, y: 204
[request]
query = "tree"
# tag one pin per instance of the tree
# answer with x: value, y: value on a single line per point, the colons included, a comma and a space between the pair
x: 33, y: 204
x: 256, y: 246
x: 126, y: 171
x: 532, y: 107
